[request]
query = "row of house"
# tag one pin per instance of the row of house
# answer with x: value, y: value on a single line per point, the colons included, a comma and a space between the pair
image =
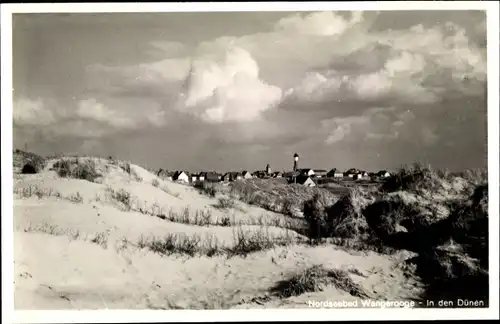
x: 309, y: 177
x: 334, y: 173
x: 210, y: 176
x: 302, y: 176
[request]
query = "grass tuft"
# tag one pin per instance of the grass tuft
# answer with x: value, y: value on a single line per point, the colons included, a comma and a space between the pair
x: 317, y: 278
x: 76, y: 169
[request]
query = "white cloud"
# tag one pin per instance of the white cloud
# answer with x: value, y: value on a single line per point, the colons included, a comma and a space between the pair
x: 381, y: 124
x: 375, y: 123
x: 226, y: 87
x: 88, y: 118
x: 324, y: 23
x: 340, y: 127
x: 28, y: 112
x: 338, y: 133
x: 239, y: 78
x: 158, y: 72
x: 93, y: 110
x: 419, y: 66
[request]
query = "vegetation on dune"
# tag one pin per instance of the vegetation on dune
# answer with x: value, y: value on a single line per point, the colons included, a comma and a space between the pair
x: 90, y: 169
x: 458, y: 268
x: 210, y: 189
x: 277, y: 195
x: 225, y: 203
x: 441, y: 216
x: 244, y: 243
x: 317, y: 278
x: 421, y: 210
x: 99, y: 238
x: 84, y: 169
x: 27, y: 162
x: 126, y: 166
x: 34, y: 190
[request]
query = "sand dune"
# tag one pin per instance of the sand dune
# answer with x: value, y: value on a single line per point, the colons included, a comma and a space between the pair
x: 85, y: 253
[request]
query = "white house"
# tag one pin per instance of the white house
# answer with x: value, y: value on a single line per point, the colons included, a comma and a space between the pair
x: 360, y: 176
x: 181, y: 176
x: 247, y: 175
x: 334, y: 173
x: 306, y: 181
x: 201, y: 177
x: 383, y: 174
x: 232, y: 176
x: 306, y: 172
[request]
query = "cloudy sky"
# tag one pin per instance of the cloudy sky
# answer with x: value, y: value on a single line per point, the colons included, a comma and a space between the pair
x: 232, y: 91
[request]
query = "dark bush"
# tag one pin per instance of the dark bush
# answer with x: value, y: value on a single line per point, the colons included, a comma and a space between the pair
x: 66, y: 168
x: 28, y: 168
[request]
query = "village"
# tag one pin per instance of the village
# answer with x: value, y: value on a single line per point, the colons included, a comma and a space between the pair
x: 304, y: 176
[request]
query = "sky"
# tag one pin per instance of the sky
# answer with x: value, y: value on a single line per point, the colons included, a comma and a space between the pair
x: 240, y: 90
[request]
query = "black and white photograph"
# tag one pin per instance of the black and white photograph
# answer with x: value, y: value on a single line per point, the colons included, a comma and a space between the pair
x: 311, y: 159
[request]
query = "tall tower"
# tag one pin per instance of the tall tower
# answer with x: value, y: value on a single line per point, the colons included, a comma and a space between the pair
x: 295, y: 162
x: 268, y: 169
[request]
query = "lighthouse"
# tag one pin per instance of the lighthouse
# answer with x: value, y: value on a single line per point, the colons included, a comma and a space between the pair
x: 268, y: 170
x: 295, y: 162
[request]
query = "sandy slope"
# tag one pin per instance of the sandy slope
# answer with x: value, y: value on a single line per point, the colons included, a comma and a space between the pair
x: 54, y: 272
x: 60, y: 272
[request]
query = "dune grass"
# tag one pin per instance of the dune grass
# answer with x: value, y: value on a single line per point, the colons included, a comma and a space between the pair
x: 314, y: 279
x: 417, y: 209
x: 21, y: 158
x: 244, y: 241
x: 77, y: 168
x: 276, y: 194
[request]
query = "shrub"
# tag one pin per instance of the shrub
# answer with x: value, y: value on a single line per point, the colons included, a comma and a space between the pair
x: 245, y: 242
x: 126, y: 167
x: 174, y: 243
x: 468, y: 225
x: 225, y: 203
x: 317, y: 278
x: 100, y: 239
x: 412, y: 179
x: 30, y: 162
x: 155, y: 183
x: 422, y: 210
x: 122, y: 196
x: 63, y: 168
x: 315, y: 215
x: 77, y: 198
x: 452, y: 275
x: 85, y: 172
x: 76, y: 169
x: 276, y: 194
x: 475, y: 176
x: 288, y: 205
x: 327, y: 218
x: 409, y: 225
x: 208, y: 188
